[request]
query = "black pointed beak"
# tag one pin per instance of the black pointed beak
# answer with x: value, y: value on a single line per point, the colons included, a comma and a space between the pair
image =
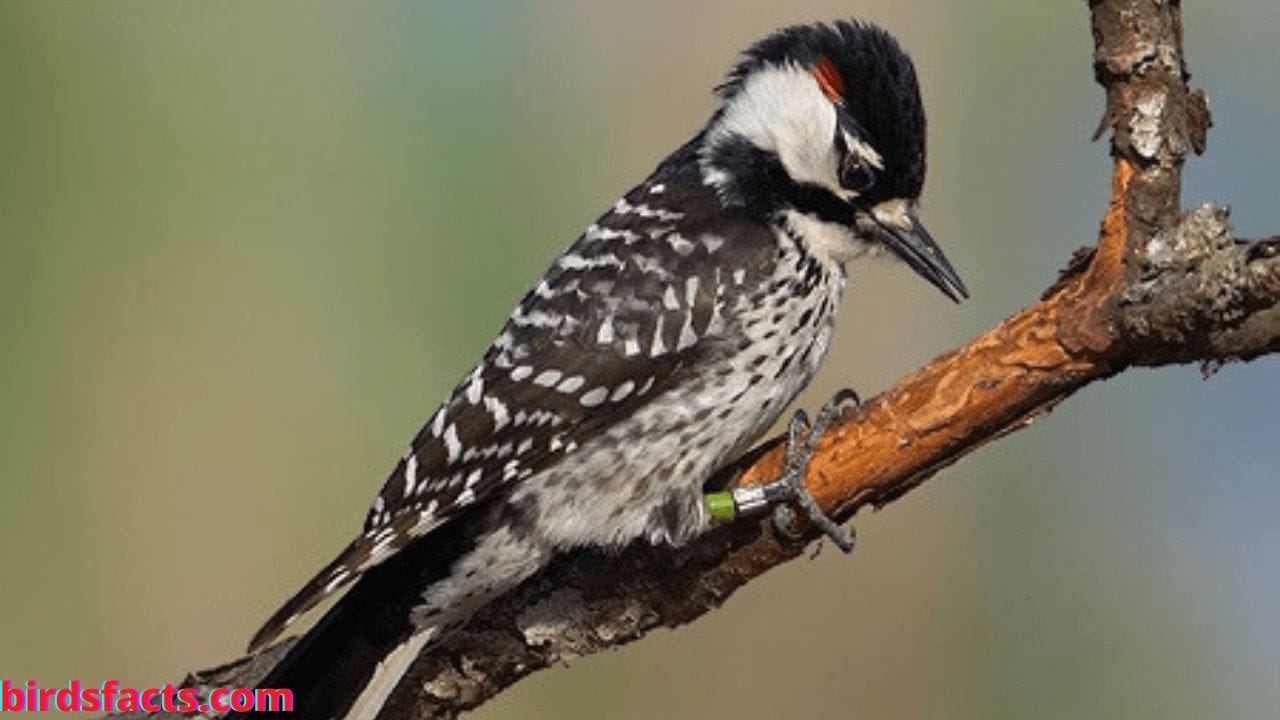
x: 908, y: 238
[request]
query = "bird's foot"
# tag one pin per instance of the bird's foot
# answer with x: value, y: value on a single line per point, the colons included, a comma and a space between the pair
x: 800, y: 452
x: 802, y: 443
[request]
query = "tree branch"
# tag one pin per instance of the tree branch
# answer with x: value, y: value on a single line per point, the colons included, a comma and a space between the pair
x: 1160, y: 287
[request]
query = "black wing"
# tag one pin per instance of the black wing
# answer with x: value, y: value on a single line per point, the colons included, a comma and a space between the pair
x: 638, y: 297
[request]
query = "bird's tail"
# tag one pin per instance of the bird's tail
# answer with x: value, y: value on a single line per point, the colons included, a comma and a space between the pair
x: 348, y: 664
x: 346, y: 667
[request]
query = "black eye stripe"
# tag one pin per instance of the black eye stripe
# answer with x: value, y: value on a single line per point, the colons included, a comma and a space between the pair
x: 841, y: 146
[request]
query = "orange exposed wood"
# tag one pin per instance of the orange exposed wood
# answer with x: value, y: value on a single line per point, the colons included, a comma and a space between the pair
x: 972, y: 395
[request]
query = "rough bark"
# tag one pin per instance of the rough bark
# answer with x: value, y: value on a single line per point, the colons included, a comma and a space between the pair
x: 1159, y: 287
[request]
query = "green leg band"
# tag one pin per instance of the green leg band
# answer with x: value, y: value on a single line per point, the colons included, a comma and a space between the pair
x: 721, y: 505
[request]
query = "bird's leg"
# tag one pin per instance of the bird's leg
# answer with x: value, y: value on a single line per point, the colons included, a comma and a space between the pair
x: 800, y: 454
x: 790, y: 488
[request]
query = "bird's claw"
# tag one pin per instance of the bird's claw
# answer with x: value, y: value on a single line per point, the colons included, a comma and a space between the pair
x: 802, y: 443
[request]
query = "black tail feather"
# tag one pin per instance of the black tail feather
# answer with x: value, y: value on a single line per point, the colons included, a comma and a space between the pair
x: 329, y: 667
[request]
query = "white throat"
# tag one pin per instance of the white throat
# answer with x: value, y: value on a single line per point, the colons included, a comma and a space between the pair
x: 833, y: 244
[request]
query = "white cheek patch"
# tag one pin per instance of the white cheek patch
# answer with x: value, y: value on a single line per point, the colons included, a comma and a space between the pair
x: 783, y: 110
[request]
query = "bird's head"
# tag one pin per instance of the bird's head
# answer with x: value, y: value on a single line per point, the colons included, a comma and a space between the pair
x: 821, y: 126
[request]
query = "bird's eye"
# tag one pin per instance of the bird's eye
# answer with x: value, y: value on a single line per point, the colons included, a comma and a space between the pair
x: 855, y: 175
x: 855, y: 172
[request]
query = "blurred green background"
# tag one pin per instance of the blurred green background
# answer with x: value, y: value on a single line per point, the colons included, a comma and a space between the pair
x: 245, y: 248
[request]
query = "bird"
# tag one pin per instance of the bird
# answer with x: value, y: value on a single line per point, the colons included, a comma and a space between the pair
x: 665, y: 340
